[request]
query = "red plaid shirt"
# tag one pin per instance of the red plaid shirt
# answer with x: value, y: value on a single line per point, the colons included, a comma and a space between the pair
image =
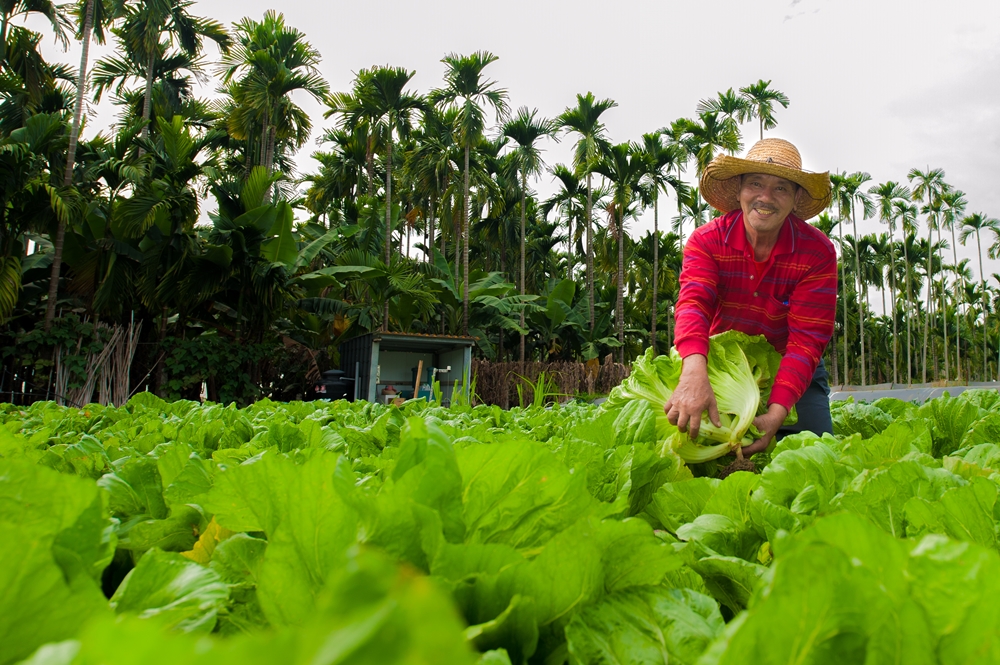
x: 791, y: 298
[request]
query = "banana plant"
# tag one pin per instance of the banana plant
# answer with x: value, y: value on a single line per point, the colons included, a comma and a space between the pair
x: 554, y: 324
x: 496, y: 305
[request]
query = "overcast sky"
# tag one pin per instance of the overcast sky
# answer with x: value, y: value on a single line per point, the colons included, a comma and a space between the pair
x: 875, y: 85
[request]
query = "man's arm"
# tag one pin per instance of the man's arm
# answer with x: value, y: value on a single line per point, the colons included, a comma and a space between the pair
x: 692, y: 397
x: 695, y: 309
x: 812, y: 308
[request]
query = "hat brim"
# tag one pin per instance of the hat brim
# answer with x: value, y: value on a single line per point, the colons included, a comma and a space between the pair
x: 720, y: 185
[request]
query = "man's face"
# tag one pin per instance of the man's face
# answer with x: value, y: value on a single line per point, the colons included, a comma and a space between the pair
x: 766, y: 201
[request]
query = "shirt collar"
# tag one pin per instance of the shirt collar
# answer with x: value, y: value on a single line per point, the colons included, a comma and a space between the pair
x: 736, y: 236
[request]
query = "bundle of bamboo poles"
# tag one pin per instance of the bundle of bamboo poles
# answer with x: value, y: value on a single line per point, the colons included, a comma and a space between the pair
x: 107, y: 370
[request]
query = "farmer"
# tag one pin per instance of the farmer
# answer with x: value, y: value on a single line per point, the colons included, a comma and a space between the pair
x: 760, y: 269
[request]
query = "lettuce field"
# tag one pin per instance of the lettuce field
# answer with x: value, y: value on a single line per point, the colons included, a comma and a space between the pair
x: 326, y: 533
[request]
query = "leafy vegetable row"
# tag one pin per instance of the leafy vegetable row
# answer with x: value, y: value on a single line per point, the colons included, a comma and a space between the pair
x: 356, y: 533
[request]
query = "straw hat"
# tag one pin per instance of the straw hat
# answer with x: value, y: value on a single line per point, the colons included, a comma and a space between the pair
x: 720, y: 185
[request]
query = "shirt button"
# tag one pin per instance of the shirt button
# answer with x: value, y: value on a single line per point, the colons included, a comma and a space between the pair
x: 754, y: 294
x: 751, y: 276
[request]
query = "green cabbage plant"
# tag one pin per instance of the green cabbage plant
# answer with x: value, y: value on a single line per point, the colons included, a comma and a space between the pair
x: 741, y: 369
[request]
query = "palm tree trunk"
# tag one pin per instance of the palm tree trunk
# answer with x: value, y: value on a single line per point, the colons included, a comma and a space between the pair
x: 457, y: 225
x: 833, y: 359
x: 427, y: 230
x: 261, y: 160
x: 590, y: 252
x: 370, y: 165
x: 892, y: 301
x: 843, y: 286
x: 74, y: 137
x: 858, y: 281
x: 147, y: 100
x: 269, y: 149
x: 619, y: 300
x: 524, y: 186
x: 569, y: 246
x: 944, y: 322
x: 884, y: 309
x: 930, y: 298
x: 429, y: 245
x: 444, y: 247
x: 982, y: 281
x: 909, y: 310
x: 871, y: 348
x: 465, y: 248
x: 680, y: 221
x: 4, y: 23
x: 958, y: 306
x: 388, y: 224
x: 656, y: 270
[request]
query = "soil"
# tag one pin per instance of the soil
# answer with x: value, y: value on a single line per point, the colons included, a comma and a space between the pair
x: 737, y: 465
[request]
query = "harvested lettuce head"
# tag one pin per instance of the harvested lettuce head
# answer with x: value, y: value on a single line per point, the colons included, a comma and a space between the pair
x: 741, y: 370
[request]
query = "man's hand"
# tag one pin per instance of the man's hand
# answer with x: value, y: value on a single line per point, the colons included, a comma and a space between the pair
x: 768, y: 424
x: 692, y: 397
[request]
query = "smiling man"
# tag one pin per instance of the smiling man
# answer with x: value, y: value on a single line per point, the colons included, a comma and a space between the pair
x: 762, y: 270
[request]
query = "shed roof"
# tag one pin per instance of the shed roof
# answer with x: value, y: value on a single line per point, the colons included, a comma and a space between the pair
x: 395, y: 341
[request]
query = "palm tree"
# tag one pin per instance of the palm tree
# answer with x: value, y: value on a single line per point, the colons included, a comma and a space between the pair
x: 380, y: 103
x: 431, y: 163
x: 880, y: 265
x: 929, y: 185
x: 95, y: 15
x: 962, y: 275
x: 761, y: 99
x: 270, y: 62
x: 55, y: 14
x: 953, y: 208
x: 341, y: 170
x: 857, y: 196
x: 690, y: 208
x: 973, y: 302
x: 870, y: 267
x: 28, y: 83
x: 906, y: 213
x: 624, y: 166
x: 837, y: 182
x: 702, y: 138
x: 585, y: 120
x: 660, y: 160
x: 976, y: 223
x: 886, y: 196
x: 571, y: 200
x: 525, y: 129
x: 848, y: 193
x: 825, y: 223
x: 173, y: 76
x: 141, y: 35
x: 996, y: 308
x: 466, y: 90
x: 734, y: 108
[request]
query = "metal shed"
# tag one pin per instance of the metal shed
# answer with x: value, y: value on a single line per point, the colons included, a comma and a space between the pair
x: 381, y: 359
